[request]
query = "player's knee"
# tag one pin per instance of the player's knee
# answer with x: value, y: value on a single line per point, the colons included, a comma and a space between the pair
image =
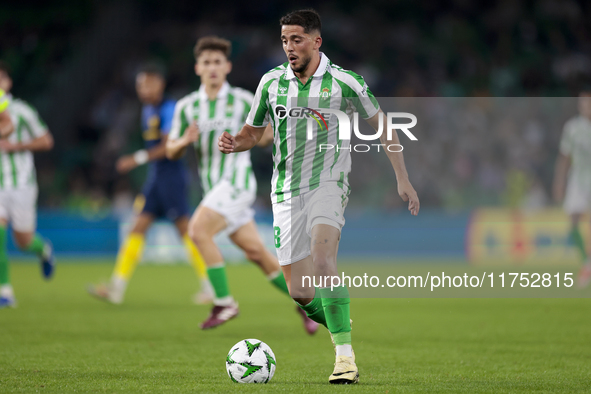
x: 254, y: 254
x: 199, y: 236
x: 323, y: 264
x: 23, y: 242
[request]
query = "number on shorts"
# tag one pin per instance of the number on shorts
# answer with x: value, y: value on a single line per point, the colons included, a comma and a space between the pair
x: 277, y: 233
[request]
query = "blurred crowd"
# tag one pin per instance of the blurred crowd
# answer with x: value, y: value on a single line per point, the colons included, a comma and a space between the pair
x: 471, y: 151
x: 407, y: 48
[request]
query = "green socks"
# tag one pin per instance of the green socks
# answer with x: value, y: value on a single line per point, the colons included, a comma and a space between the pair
x: 36, y: 246
x: 278, y: 280
x: 219, y: 281
x: 336, y: 309
x: 314, y: 310
x: 331, y: 309
x: 4, y: 270
x: 577, y: 238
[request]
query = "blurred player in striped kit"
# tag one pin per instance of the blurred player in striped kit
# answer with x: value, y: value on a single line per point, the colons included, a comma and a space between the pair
x: 18, y: 185
x: 228, y: 182
x: 164, y: 194
x: 573, y: 174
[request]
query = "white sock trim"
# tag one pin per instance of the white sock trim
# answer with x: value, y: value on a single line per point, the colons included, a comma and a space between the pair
x: 224, y: 301
x: 117, y: 289
x: 274, y: 275
x: 6, y: 291
x: 217, y: 265
x: 344, y: 350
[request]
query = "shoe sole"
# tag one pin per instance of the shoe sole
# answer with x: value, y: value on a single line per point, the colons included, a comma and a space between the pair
x: 345, y: 380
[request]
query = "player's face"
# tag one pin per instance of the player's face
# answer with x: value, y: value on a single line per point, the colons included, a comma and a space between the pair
x: 299, y: 46
x: 150, y: 88
x: 213, y: 67
x: 5, y: 82
x: 585, y: 104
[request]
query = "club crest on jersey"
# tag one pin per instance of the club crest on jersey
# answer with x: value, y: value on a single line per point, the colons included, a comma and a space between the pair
x: 325, y: 93
x: 152, y: 133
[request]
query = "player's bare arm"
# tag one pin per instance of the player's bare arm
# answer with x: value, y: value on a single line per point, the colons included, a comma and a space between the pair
x: 267, y: 138
x: 246, y: 139
x: 175, y: 149
x: 6, y: 126
x: 39, y: 144
x: 129, y: 162
x: 563, y: 164
x: 405, y: 189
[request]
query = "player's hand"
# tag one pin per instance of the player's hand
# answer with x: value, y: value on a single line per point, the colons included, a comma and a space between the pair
x: 6, y: 127
x: 126, y: 164
x: 7, y: 146
x: 191, y: 134
x: 408, y: 193
x: 5, y: 131
x: 226, y: 143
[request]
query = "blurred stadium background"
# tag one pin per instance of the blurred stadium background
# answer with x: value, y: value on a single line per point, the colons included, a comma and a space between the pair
x: 76, y: 60
x: 483, y: 168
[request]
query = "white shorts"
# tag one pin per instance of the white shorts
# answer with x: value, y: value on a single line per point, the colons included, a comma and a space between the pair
x: 19, y: 207
x: 235, y: 205
x: 577, y: 199
x: 294, y: 219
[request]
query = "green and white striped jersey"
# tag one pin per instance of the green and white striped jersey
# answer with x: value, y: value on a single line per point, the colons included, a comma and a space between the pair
x: 226, y: 113
x: 576, y: 143
x: 18, y: 168
x: 299, y: 164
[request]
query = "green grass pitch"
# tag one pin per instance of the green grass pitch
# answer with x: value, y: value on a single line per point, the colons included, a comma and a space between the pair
x: 60, y: 340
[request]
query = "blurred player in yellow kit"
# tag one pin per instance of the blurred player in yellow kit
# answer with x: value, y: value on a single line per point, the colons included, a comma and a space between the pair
x: 164, y: 193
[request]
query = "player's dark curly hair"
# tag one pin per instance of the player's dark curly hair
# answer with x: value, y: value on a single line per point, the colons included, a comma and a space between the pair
x: 153, y: 68
x: 308, y: 19
x: 213, y: 43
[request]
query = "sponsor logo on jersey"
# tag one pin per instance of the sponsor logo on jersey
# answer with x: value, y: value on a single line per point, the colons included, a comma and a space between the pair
x: 302, y: 113
x: 215, y: 124
x: 364, y: 90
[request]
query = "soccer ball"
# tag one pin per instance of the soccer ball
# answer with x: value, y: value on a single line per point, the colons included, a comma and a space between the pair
x: 251, y: 361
